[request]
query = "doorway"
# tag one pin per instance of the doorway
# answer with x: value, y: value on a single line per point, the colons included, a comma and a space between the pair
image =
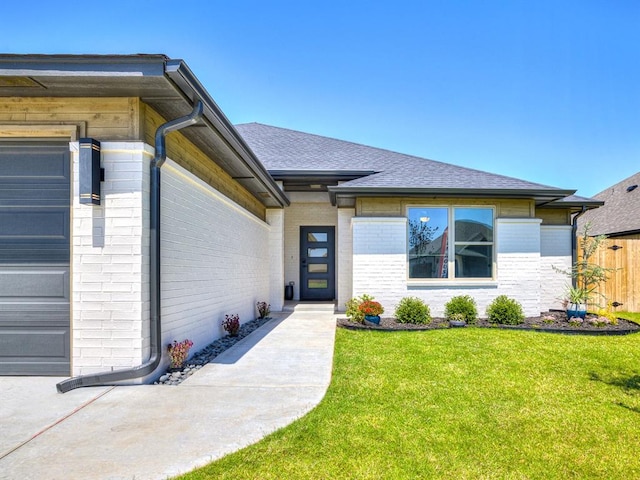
x: 317, y: 263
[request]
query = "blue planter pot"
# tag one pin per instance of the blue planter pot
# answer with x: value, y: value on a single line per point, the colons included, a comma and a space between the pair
x: 577, y: 310
x: 375, y: 319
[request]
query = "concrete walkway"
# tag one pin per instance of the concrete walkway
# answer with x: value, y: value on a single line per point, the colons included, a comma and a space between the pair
x: 264, y: 382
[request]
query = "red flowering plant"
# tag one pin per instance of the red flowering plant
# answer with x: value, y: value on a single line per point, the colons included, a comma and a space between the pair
x: 264, y: 309
x: 231, y: 324
x: 178, y: 352
x: 371, y: 308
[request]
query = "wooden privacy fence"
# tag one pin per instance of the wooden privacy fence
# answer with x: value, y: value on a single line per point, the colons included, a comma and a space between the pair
x: 623, y: 285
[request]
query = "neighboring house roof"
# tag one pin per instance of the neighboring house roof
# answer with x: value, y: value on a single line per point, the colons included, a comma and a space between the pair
x: 620, y: 214
x: 167, y: 85
x: 364, y: 170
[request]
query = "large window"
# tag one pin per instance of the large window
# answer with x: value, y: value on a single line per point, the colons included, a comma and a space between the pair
x: 450, y: 242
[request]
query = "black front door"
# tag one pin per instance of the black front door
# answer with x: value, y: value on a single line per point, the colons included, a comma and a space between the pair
x: 317, y: 263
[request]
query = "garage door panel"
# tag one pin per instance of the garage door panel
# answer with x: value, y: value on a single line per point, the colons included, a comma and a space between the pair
x: 36, y: 194
x: 45, y: 284
x: 42, y: 225
x: 34, y: 253
x: 43, y: 342
x: 34, y: 315
x: 44, y: 368
x: 34, y: 258
x: 35, y: 163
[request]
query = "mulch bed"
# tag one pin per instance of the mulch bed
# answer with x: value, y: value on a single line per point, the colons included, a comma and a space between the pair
x: 552, y: 321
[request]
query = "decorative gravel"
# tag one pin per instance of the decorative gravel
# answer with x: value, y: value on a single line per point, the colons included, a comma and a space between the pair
x: 208, y: 353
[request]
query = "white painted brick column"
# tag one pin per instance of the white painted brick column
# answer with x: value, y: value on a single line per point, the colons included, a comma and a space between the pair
x: 518, y: 258
x: 275, y: 219
x: 380, y: 258
x: 109, y: 264
x: 344, y: 256
x: 555, y: 250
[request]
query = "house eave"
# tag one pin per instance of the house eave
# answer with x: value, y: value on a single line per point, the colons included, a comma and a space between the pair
x: 168, y: 86
x: 315, y: 180
x: 621, y: 234
x: 573, y: 206
x: 345, y: 196
x: 250, y: 171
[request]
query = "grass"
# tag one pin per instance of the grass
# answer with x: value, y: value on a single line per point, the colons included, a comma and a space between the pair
x: 633, y: 316
x: 467, y: 404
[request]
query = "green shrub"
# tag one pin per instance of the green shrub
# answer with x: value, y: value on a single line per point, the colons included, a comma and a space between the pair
x: 413, y: 310
x: 505, y: 311
x: 462, y: 304
x: 353, y: 310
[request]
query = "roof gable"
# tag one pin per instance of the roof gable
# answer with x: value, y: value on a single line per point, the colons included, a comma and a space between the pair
x: 621, y: 211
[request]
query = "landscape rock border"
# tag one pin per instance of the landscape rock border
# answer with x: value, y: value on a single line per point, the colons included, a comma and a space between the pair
x: 207, y: 354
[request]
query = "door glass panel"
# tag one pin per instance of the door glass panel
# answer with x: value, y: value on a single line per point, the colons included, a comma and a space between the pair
x: 317, y: 252
x: 317, y: 268
x: 316, y: 237
x: 317, y: 283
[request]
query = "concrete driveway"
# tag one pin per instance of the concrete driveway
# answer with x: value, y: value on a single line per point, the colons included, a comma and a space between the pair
x: 264, y: 382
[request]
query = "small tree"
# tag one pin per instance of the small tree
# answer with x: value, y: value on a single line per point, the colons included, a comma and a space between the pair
x: 587, y: 276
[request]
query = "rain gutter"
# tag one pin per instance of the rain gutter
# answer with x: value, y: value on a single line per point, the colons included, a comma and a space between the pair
x: 185, y: 81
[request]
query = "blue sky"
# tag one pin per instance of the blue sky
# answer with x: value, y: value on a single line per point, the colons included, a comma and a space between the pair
x: 547, y: 91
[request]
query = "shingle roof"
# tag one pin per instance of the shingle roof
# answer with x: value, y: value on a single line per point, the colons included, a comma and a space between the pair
x: 621, y: 211
x: 281, y: 149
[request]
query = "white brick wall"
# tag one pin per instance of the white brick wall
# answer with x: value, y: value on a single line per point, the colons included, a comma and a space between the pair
x: 275, y: 219
x: 555, y: 250
x: 380, y: 266
x: 518, y: 256
x: 380, y: 259
x: 215, y: 259
x: 109, y: 266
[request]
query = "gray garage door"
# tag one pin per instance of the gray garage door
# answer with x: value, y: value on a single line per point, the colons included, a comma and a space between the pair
x: 34, y: 258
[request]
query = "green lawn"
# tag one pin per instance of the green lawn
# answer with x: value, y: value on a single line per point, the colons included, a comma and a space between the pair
x: 466, y: 404
x: 633, y: 316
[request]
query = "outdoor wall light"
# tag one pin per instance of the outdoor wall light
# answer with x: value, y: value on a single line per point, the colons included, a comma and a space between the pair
x: 90, y: 172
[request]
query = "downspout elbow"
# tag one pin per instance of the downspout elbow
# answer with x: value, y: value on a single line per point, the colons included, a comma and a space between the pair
x: 179, y: 123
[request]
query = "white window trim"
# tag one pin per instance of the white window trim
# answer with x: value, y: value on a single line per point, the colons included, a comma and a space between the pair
x: 451, y: 244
